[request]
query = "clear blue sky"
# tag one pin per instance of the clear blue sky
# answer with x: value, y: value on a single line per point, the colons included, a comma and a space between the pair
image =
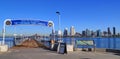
x: 82, y: 14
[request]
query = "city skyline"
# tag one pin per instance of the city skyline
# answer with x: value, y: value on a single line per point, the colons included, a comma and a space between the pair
x: 93, y: 14
x: 109, y: 32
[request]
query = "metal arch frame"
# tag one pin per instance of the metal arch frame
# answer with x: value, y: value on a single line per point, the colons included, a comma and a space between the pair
x: 4, y: 30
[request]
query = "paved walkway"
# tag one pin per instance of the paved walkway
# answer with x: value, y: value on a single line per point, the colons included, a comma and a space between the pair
x: 39, y: 53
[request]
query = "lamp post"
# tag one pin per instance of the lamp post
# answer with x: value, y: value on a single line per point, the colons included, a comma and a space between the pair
x: 59, y: 32
x: 59, y: 29
x: 58, y: 13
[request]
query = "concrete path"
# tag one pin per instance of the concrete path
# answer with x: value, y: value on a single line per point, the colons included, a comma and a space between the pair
x: 39, y: 53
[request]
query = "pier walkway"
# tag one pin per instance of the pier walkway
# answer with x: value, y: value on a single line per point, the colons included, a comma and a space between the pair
x: 39, y: 53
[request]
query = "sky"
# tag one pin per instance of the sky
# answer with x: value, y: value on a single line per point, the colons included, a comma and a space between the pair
x: 82, y: 14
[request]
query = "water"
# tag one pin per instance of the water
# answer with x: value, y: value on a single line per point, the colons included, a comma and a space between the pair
x: 109, y: 43
x: 9, y: 41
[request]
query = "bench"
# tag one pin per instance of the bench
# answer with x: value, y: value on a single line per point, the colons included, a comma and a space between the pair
x: 86, y: 44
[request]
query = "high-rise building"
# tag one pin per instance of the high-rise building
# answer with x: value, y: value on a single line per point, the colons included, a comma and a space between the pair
x: 88, y: 33
x: 118, y: 34
x: 99, y: 33
x: 83, y: 33
x: 72, y: 31
x: 105, y: 33
x: 65, y: 32
x: 59, y: 33
x: 114, y: 31
x: 109, y: 32
x: 77, y: 34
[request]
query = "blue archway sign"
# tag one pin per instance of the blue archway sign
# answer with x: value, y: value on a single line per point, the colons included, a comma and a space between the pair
x: 26, y: 22
x: 29, y: 22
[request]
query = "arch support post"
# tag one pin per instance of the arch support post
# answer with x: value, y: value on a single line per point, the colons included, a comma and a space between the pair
x: 3, y: 41
x: 3, y: 47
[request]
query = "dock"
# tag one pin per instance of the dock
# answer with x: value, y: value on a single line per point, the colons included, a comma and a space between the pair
x: 40, y: 53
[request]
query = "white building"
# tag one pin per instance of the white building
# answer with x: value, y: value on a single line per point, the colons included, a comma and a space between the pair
x: 72, y: 31
x: 59, y: 33
x: 88, y: 33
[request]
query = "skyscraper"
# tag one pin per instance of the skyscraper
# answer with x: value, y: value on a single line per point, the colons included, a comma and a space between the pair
x: 99, y: 34
x: 114, y: 31
x: 88, y: 33
x: 83, y: 33
x: 59, y: 33
x: 109, y: 32
x: 65, y: 34
x: 72, y: 31
x: 105, y: 33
